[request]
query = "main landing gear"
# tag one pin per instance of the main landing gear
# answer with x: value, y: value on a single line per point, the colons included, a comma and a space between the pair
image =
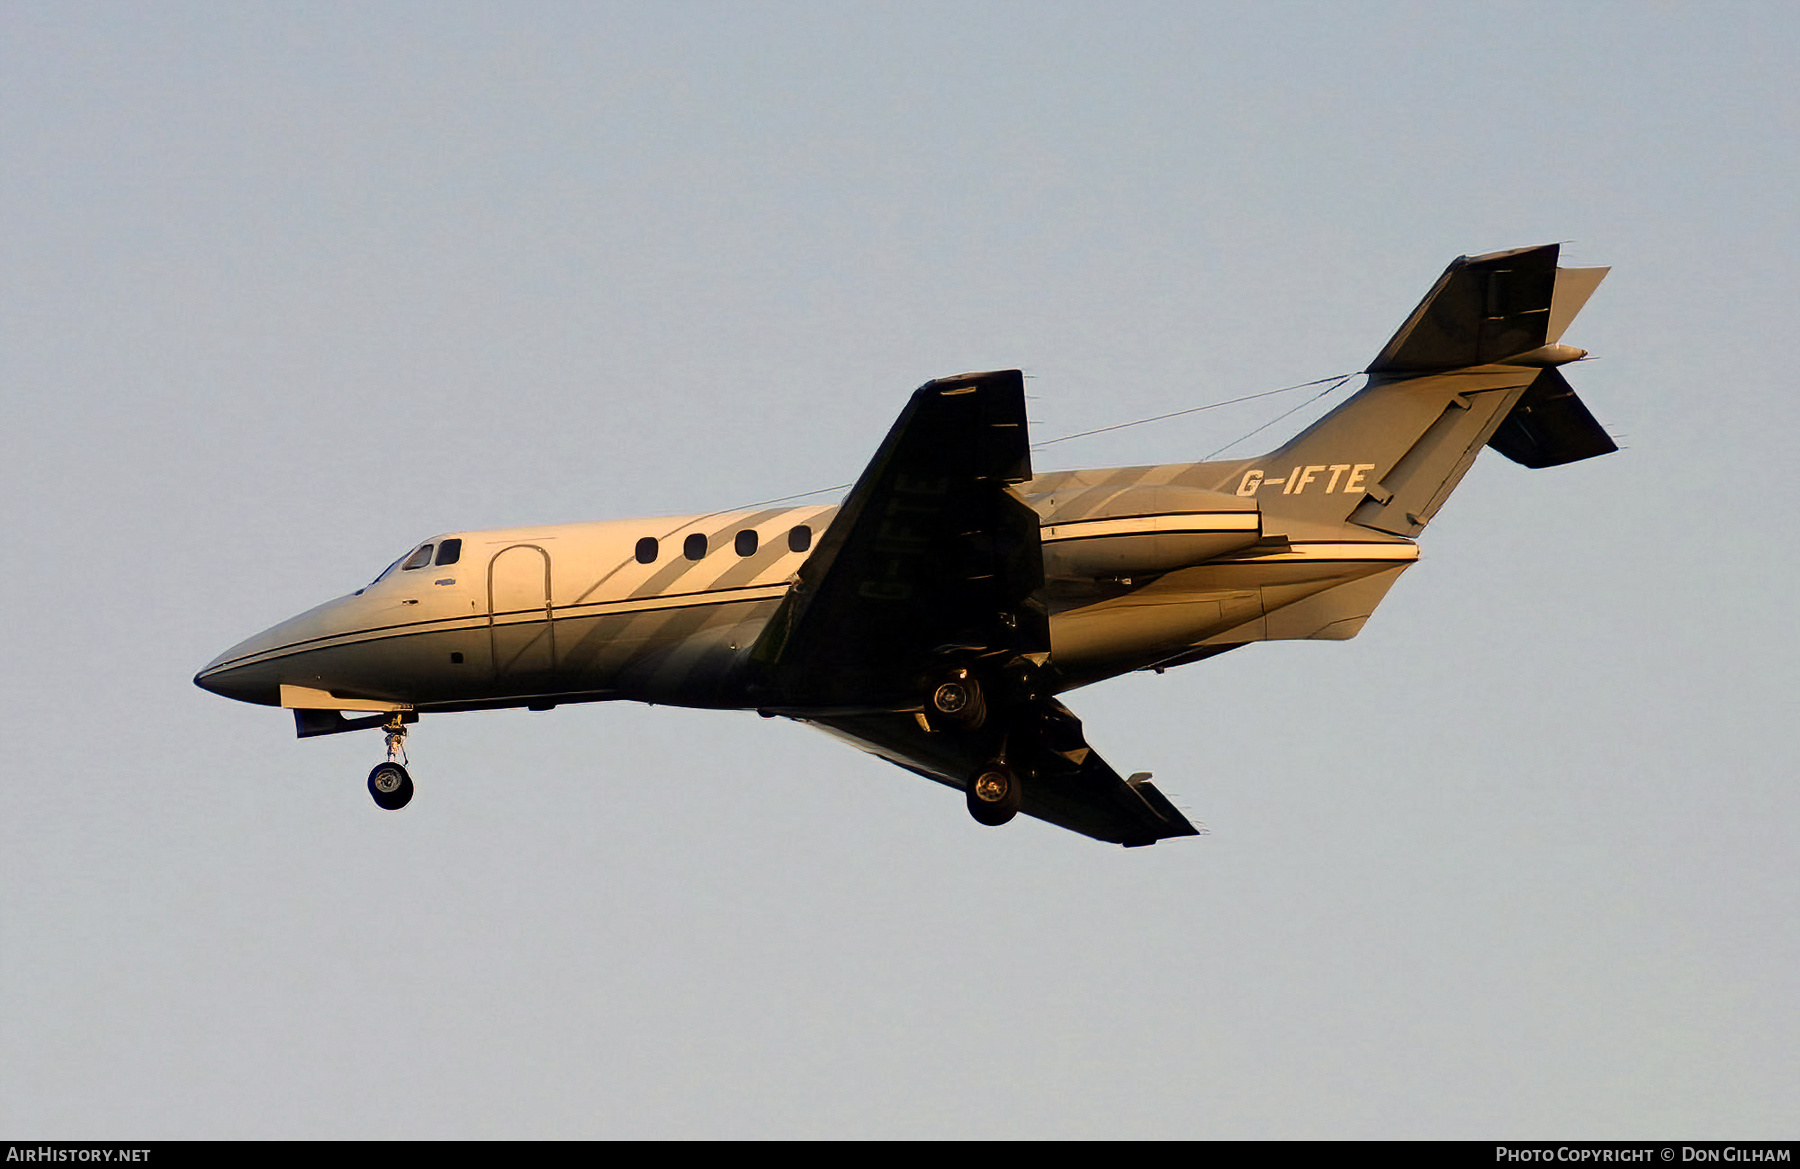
x: 995, y: 795
x: 956, y: 703
x: 389, y: 783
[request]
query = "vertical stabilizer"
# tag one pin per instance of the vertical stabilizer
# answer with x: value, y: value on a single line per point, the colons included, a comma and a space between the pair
x: 1473, y: 364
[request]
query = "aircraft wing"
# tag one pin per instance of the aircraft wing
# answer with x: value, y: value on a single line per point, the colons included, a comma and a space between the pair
x: 1066, y: 782
x: 934, y: 562
x: 932, y: 559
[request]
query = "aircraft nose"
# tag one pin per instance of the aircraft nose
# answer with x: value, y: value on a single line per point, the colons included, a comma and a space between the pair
x: 229, y: 683
x: 254, y: 669
x: 246, y: 682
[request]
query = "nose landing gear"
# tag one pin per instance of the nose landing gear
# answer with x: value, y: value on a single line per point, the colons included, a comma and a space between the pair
x: 389, y: 784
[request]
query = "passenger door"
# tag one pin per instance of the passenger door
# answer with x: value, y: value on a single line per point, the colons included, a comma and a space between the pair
x: 524, y: 640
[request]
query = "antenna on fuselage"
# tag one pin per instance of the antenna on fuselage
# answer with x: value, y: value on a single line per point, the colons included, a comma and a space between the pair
x: 1336, y: 380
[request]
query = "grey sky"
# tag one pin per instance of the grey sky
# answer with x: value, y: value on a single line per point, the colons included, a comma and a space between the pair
x: 286, y: 287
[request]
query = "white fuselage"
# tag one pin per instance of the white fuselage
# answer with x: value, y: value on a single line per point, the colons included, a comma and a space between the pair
x: 666, y: 610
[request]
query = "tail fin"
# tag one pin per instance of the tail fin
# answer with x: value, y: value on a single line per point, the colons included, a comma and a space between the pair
x: 1473, y: 365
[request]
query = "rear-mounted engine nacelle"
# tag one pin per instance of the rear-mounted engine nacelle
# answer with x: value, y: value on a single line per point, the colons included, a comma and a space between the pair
x: 1146, y: 532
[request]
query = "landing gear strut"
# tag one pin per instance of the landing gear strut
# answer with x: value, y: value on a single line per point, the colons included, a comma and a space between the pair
x: 389, y: 783
x: 995, y: 795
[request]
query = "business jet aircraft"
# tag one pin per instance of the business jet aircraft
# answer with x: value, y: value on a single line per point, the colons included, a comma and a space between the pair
x: 934, y: 616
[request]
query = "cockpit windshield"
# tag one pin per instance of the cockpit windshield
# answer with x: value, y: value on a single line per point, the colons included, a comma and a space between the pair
x: 448, y: 552
x: 383, y: 574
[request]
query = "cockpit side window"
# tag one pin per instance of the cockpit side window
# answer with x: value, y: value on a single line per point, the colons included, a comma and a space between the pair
x: 449, y: 552
x: 418, y: 559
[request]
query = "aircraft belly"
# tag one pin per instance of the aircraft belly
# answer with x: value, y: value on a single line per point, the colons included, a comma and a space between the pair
x: 1333, y: 613
x: 1129, y: 632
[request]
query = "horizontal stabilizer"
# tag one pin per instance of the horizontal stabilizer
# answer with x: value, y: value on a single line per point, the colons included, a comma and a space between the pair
x: 1550, y: 426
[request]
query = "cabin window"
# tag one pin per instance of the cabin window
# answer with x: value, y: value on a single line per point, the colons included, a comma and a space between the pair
x: 646, y: 550
x: 694, y: 547
x: 746, y: 542
x: 449, y: 552
x: 799, y: 538
x: 420, y: 558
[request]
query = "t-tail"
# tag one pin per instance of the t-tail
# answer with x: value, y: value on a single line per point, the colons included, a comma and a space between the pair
x: 1476, y: 364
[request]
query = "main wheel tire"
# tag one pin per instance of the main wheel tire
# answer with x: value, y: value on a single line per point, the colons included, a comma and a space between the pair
x: 957, y: 703
x: 952, y: 698
x: 390, y: 786
x: 994, y: 796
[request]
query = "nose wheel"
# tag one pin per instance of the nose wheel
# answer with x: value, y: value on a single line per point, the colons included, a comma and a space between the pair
x: 391, y: 786
x: 389, y: 783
